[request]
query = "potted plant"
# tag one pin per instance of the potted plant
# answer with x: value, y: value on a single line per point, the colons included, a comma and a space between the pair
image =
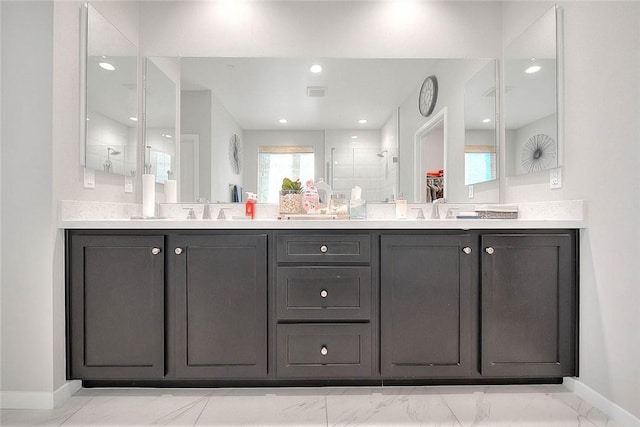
x: 291, y: 197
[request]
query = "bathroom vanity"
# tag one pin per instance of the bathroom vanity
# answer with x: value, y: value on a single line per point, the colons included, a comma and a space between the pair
x: 280, y: 303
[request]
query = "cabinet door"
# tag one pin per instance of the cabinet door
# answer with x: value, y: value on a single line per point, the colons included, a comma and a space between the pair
x: 528, y: 305
x: 221, y: 306
x: 116, y: 310
x: 425, y: 305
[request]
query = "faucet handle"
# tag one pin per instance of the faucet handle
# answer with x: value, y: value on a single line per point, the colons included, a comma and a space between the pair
x: 191, y: 214
x: 420, y: 214
x: 221, y: 214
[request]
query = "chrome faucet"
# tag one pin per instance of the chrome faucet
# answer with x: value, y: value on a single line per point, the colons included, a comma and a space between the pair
x: 435, y: 211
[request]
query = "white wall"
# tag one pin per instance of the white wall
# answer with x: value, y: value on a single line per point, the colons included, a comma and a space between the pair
x: 27, y: 203
x: 358, y: 29
x: 601, y: 151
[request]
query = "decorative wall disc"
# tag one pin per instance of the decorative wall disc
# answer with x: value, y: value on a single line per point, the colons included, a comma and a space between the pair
x: 235, y: 154
x: 539, y: 153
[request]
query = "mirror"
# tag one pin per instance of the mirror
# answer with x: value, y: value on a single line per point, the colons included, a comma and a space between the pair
x: 437, y: 145
x: 110, y: 105
x: 160, y: 121
x: 250, y: 98
x: 480, y: 157
x: 530, y: 104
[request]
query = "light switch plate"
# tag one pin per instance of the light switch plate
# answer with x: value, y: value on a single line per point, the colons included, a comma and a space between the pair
x: 555, y: 178
x: 89, y: 178
x: 471, y: 191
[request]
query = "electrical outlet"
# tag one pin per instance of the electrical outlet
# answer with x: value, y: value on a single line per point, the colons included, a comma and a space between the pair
x: 128, y: 184
x: 89, y: 178
x: 555, y: 178
x: 471, y: 191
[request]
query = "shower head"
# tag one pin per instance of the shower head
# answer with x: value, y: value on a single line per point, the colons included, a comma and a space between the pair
x: 382, y: 153
x: 112, y: 151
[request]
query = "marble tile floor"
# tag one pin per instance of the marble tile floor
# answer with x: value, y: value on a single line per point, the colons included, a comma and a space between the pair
x: 465, y: 406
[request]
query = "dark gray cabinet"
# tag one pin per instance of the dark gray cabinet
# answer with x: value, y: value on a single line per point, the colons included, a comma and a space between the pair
x: 220, y: 306
x: 528, y: 305
x: 304, y: 306
x: 426, y: 305
x: 116, y: 306
x: 324, y: 305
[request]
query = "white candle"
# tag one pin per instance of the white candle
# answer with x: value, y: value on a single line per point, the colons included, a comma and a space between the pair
x: 171, y: 191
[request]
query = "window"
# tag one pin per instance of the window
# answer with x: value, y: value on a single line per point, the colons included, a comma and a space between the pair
x: 479, y: 163
x: 278, y: 162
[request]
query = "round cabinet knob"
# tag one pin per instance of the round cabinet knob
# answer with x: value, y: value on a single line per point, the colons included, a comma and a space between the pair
x: 324, y: 249
x: 324, y: 351
x: 466, y: 250
x: 178, y: 251
x: 324, y: 293
x: 489, y: 250
x: 155, y: 251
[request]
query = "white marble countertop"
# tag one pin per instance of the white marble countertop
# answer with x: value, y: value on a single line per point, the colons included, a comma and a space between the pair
x: 545, y: 215
x: 458, y: 224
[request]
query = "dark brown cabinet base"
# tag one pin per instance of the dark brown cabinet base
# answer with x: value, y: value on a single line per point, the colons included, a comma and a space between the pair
x: 323, y: 307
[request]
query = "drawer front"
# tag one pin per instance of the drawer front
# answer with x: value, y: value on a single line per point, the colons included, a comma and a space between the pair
x: 322, y: 351
x: 324, y: 293
x: 324, y: 248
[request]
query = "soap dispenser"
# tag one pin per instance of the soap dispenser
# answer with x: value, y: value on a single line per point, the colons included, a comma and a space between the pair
x: 401, y: 208
x: 250, y: 206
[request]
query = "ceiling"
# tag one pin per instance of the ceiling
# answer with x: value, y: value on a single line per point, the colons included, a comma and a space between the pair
x: 258, y: 92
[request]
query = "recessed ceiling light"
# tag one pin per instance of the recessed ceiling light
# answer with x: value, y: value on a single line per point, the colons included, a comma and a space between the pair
x: 283, y: 121
x: 316, y: 68
x: 486, y: 121
x: 354, y: 136
x: 533, y: 69
x: 133, y: 118
x: 362, y: 121
x: 106, y: 66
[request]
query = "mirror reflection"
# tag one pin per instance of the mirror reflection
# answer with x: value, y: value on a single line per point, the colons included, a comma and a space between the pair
x: 480, y: 159
x: 160, y: 122
x: 531, y: 123
x: 246, y: 123
x: 111, y: 98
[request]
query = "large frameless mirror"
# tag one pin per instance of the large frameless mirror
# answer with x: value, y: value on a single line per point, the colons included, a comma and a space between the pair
x: 246, y: 123
x: 531, y: 98
x: 110, y: 97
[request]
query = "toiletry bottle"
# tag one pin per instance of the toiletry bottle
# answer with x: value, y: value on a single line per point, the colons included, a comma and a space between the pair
x: 401, y: 208
x: 250, y: 206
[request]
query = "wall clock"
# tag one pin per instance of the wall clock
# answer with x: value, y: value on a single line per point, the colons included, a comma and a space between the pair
x: 539, y: 153
x: 428, y: 96
x: 235, y: 154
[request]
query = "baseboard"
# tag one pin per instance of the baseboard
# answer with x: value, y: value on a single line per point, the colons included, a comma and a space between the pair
x: 591, y: 396
x: 39, y: 399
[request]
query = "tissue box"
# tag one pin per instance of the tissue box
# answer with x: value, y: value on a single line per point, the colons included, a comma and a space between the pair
x: 357, y: 209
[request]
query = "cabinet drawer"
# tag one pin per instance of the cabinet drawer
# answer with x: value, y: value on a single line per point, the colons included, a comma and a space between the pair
x: 320, y: 351
x: 324, y: 248
x: 324, y: 293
